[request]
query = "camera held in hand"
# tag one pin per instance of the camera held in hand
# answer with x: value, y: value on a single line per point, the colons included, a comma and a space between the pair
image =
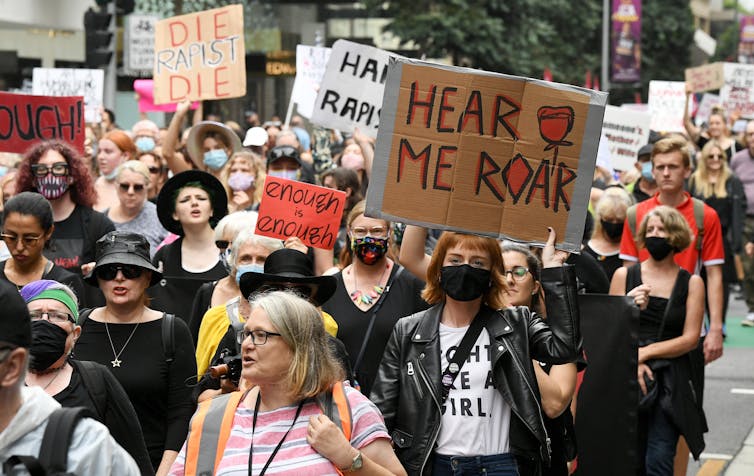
x: 227, y: 366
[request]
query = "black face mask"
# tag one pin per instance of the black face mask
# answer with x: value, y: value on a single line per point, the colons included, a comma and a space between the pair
x: 47, y: 344
x: 614, y: 231
x: 658, y: 247
x: 464, y: 282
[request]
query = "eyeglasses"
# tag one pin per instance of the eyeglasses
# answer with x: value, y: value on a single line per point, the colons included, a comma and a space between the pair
x: 374, y: 232
x: 258, y: 336
x: 518, y: 273
x: 222, y: 244
x: 58, y: 169
x: 138, y: 187
x: 26, y: 239
x: 52, y: 316
x: 110, y: 271
x: 283, y: 151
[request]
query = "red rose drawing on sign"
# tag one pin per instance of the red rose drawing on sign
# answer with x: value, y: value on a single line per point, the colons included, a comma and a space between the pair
x: 555, y: 122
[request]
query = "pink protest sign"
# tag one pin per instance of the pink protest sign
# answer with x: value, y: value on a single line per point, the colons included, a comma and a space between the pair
x: 144, y: 88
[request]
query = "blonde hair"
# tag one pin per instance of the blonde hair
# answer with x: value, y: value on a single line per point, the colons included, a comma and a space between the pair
x: 614, y: 201
x: 699, y: 182
x: 676, y: 227
x: 313, y: 368
x: 135, y: 166
x: 259, y: 174
x: 673, y: 143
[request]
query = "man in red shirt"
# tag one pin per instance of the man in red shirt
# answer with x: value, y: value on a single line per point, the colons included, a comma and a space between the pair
x: 671, y: 167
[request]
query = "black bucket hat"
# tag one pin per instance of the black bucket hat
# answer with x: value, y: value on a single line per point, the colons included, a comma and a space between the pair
x: 287, y: 266
x: 166, y: 198
x: 123, y: 247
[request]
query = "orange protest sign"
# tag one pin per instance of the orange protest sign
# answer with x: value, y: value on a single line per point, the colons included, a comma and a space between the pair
x: 200, y: 56
x: 705, y: 78
x: 292, y: 208
x: 472, y: 151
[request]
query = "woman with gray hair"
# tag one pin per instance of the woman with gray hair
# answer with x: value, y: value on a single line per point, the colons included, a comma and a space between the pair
x: 134, y: 212
x: 279, y: 425
x: 247, y: 254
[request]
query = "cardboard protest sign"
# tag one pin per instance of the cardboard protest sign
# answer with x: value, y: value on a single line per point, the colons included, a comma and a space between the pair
x: 26, y: 120
x: 89, y: 83
x: 626, y: 132
x: 737, y: 94
x: 138, y: 51
x: 486, y: 153
x: 200, y: 56
x: 292, y: 208
x: 666, y: 102
x: 144, y: 89
x: 311, y: 62
x: 351, y: 90
x: 705, y: 78
x: 607, y: 403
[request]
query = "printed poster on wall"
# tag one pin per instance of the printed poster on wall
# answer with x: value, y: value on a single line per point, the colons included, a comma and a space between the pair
x: 626, y: 41
x: 89, y: 83
x: 200, y: 56
x: 351, y: 91
x: 311, y: 62
x: 626, y: 132
x: 486, y: 153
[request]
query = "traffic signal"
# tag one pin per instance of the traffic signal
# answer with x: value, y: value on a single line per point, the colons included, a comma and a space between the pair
x: 99, y: 38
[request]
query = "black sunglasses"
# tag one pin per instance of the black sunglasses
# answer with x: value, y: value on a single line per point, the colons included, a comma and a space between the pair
x: 109, y: 271
x: 283, y: 151
x: 138, y: 187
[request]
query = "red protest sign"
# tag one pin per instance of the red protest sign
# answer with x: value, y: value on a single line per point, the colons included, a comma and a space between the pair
x: 26, y: 120
x: 310, y: 212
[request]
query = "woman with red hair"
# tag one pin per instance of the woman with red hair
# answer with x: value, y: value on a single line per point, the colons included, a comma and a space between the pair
x: 56, y: 171
x: 115, y: 147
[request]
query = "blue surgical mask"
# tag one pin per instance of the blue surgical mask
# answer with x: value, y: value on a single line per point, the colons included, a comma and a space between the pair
x: 285, y: 174
x: 215, y: 159
x: 646, y: 171
x: 145, y: 144
x: 247, y: 268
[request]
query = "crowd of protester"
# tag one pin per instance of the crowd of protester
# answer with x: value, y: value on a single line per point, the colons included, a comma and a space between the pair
x: 138, y: 263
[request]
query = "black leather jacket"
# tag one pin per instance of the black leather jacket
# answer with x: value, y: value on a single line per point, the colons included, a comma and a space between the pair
x: 408, y: 385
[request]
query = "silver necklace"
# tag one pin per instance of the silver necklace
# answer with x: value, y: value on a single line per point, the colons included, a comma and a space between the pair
x: 116, y: 362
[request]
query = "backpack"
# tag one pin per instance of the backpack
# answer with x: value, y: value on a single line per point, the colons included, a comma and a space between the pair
x: 53, y: 451
x: 698, y: 218
x: 168, y: 332
x: 207, y: 437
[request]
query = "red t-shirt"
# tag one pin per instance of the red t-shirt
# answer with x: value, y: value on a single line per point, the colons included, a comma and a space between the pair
x: 712, y: 243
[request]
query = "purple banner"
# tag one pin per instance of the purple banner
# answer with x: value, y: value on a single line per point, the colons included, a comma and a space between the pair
x: 746, y: 40
x: 626, y: 41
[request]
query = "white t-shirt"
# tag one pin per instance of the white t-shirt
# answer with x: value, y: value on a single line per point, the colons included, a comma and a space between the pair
x: 476, y: 419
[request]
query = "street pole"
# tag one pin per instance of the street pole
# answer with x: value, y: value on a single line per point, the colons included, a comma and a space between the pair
x: 112, y: 67
x: 604, y: 73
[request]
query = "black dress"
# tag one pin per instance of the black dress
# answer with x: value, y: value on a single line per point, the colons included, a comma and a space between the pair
x: 157, y: 389
x: 175, y: 293
x: 402, y: 299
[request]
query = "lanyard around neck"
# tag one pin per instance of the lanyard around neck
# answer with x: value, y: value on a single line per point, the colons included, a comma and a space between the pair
x: 277, y: 448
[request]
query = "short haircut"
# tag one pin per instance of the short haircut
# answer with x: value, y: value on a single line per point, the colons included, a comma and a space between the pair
x: 613, y: 202
x: 676, y: 227
x: 135, y: 166
x: 494, y: 297
x: 245, y: 237
x: 670, y: 144
x: 31, y: 204
x: 314, y: 368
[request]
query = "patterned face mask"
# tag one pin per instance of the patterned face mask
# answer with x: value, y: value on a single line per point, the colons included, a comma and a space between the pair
x: 369, y: 250
x: 52, y: 186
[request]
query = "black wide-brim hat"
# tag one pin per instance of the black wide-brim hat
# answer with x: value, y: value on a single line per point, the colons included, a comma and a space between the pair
x: 122, y: 247
x: 287, y: 266
x: 166, y: 198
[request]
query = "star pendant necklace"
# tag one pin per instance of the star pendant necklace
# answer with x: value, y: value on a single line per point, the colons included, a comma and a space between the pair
x: 116, y: 362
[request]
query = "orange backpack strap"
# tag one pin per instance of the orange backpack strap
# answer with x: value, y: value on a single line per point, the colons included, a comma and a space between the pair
x: 209, y: 432
x: 334, y: 404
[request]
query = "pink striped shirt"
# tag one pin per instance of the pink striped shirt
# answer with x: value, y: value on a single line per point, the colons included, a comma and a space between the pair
x: 295, y: 456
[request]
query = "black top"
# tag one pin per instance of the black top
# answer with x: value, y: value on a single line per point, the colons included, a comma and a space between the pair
x: 201, y: 304
x: 403, y: 299
x: 650, y: 319
x: 119, y: 415
x: 609, y: 263
x: 175, y: 293
x: 590, y: 275
x: 639, y: 195
x: 60, y: 275
x: 157, y: 389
